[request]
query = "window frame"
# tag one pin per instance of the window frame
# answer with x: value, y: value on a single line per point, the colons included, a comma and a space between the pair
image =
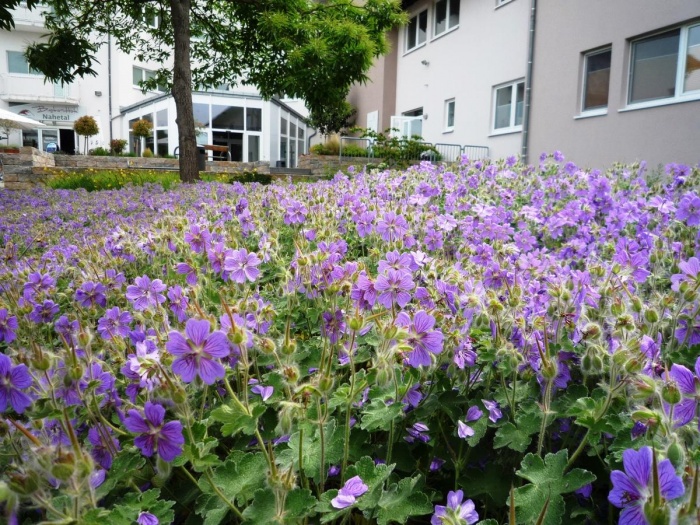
x: 406, y: 33
x: 144, y: 77
x: 447, y: 126
x: 512, y: 127
x: 598, y: 110
x: 448, y: 28
x: 28, y: 73
x: 679, y: 95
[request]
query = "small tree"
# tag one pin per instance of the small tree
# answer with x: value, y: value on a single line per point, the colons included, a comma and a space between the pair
x: 6, y: 126
x: 86, y: 126
x: 118, y: 146
x: 142, y: 129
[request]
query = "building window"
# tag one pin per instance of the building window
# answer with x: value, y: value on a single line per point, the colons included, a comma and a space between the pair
x: 446, y: 16
x: 596, y: 80
x: 139, y: 75
x: 666, y: 66
x: 417, y: 30
x: 16, y: 63
x: 508, y: 107
x: 450, y: 115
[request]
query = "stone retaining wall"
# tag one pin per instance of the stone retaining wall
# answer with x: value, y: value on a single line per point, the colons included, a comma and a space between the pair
x: 28, y: 167
x: 321, y: 165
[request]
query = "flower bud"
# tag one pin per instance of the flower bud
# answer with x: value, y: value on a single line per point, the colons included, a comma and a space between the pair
x: 325, y: 384
x: 179, y: 395
x: 616, y: 308
x: 676, y: 454
x: 267, y: 346
x: 637, y: 304
x: 670, y: 393
x: 84, y: 338
x: 289, y: 347
x: 291, y: 374
x: 549, y: 370
x: 24, y: 484
x: 62, y: 471
x: 237, y: 338
x: 645, y: 386
x: 355, y: 323
x: 633, y: 365
x: 591, y: 330
x: 41, y: 363
x: 75, y: 372
x: 690, y: 296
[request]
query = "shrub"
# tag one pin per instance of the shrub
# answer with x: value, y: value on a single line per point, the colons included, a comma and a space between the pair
x: 86, y: 126
x: 118, y: 146
x: 148, y: 153
x: 96, y: 180
x: 242, y: 176
x: 99, y: 152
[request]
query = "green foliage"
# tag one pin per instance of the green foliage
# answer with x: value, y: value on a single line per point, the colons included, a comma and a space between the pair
x: 96, y: 180
x: 236, y: 420
x: 142, y: 128
x: 398, y: 152
x: 118, y: 145
x: 403, y: 500
x: 246, y: 176
x: 548, y: 479
x: 148, y: 153
x: 100, y: 152
x: 86, y: 126
x: 333, y: 119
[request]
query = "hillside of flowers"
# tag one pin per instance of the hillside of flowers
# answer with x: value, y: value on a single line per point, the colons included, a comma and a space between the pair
x: 480, y: 343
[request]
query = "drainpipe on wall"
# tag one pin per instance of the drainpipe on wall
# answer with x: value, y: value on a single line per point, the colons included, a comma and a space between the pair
x: 109, y: 85
x: 308, y: 140
x: 528, y: 82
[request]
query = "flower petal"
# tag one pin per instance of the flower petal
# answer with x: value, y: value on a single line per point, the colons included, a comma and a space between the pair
x: 217, y: 345
x: 670, y: 484
x: 638, y: 465
x: 210, y: 370
x: 622, y: 490
x: 185, y: 367
x: 684, y: 378
x: 154, y: 413
x: 177, y: 344
x: 135, y: 423
x: 197, y: 331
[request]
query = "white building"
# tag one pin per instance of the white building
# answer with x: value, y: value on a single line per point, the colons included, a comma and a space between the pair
x: 253, y: 129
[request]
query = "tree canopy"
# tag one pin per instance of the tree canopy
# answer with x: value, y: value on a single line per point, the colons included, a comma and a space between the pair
x: 313, y: 50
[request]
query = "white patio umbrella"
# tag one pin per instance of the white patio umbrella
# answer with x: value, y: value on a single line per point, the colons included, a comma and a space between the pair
x: 18, y: 121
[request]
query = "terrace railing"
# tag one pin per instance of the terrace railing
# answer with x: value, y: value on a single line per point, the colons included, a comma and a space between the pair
x: 353, y: 146
x: 410, y: 150
x: 475, y: 152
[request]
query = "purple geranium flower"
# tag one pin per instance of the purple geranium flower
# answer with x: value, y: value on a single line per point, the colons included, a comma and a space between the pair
x: 114, y: 323
x: 690, y: 269
x: 178, y: 303
x: 91, y: 294
x: 242, y: 266
x: 633, y: 487
x: 263, y: 391
x: 14, y: 379
x: 394, y: 287
x: 146, y: 518
x: 689, y: 209
x: 456, y: 511
x: 8, y: 326
x: 392, y: 227
x: 155, y: 437
x: 464, y: 431
x: 347, y: 495
x: 494, y: 411
x: 197, y: 354
x: 44, y: 312
x: 689, y: 385
x: 421, y: 337
x: 145, y: 293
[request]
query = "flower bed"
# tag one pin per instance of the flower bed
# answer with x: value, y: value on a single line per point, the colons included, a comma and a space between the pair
x: 492, y: 342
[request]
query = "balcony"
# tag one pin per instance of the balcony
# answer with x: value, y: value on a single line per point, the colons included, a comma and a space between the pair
x: 32, y: 89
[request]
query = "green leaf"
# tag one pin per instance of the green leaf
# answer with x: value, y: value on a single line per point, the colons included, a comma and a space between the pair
x: 311, y: 448
x: 125, y: 464
x: 519, y: 437
x: 235, y: 419
x: 239, y: 477
x: 379, y: 416
x: 548, y: 482
x: 402, y: 501
x: 298, y: 504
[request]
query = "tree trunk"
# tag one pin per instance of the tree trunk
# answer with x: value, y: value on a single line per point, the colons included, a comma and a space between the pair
x: 182, y: 90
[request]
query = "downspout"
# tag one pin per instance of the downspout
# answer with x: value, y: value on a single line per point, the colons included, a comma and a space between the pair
x: 109, y: 84
x: 528, y: 82
x: 308, y: 140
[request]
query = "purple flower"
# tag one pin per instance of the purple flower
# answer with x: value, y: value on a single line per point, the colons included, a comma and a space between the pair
x: 242, y: 266
x: 263, y: 391
x: 114, y: 323
x: 8, y: 326
x: 689, y: 385
x: 197, y: 354
x: 155, y: 437
x: 190, y: 273
x: 394, y: 287
x: 333, y: 325
x: 295, y: 212
x: 37, y: 283
x: 421, y: 337
x: 436, y: 464
x: 104, y: 446
x: 14, y: 379
x: 464, y: 431
x: 44, y: 312
x: 689, y: 209
x: 347, y: 495
x: 690, y: 269
x: 364, y: 223
x: 178, y: 303
x: 146, y: 518
x: 633, y: 487
x: 392, y: 227
x: 145, y: 293
x: 494, y: 411
x: 198, y: 238
x: 91, y: 294
x: 418, y: 431
x: 455, y: 512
